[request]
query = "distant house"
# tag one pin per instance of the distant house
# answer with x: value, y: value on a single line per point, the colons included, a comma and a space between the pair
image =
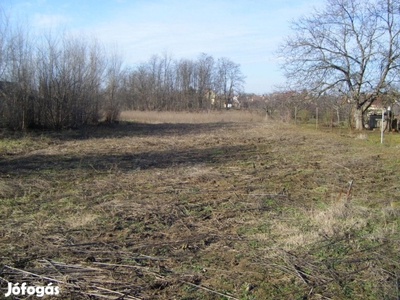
x: 232, y: 102
x: 210, y: 95
x: 391, y: 115
x: 235, y: 101
x: 254, y: 98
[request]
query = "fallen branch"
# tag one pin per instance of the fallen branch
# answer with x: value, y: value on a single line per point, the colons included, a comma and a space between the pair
x: 114, y: 292
x: 300, y: 273
x: 159, y: 276
x: 109, y: 297
x: 210, y: 290
x: 40, y: 276
x: 120, y: 295
x: 53, y: 266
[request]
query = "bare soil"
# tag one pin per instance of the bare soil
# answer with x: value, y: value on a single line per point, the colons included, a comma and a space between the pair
x: 214, y: 210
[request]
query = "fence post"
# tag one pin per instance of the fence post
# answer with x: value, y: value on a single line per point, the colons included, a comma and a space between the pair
x: 382, y: 129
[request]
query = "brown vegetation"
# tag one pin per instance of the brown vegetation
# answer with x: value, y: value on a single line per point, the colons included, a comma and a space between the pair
x: 224, y: 116
x: 211, y: 210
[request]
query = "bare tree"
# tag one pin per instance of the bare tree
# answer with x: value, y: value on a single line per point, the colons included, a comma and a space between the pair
x: 94, y: 76
x: 205, y: 75
x: 113, y: 97
x: 229, y: 79
x: 350, y: 46
x: 17, y: 74
x: 70, y: 77
x: 4, y: 38
x: 185, y: 77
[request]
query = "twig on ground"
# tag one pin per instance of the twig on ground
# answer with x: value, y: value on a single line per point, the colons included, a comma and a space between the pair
x: 210, y: 290
x: 340, y: 165
x: 40, y: 276
x: 159, y: 276
x: 349, y: 190
x: 115, y: 292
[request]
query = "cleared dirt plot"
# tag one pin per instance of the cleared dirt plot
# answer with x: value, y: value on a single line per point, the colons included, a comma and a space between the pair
x: 214, y: 209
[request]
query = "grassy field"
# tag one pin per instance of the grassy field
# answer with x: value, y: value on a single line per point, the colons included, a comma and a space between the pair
x: 201, y: 206
x: 224, y: 116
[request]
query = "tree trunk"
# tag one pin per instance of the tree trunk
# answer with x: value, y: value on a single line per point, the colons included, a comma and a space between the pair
x: 358, y: 118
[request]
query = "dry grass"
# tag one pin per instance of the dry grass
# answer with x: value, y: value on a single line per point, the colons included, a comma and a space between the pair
x: 200, y: 210
x: 224, y: 116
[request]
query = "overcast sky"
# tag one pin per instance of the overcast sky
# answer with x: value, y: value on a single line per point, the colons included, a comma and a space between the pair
x: 247, y: 32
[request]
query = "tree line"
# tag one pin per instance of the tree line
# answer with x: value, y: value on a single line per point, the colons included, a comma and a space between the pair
x: 56, y: 82
x: 164, y: 83
x: 301, y: 107
x: 63, y: 81
x: 349, y: 48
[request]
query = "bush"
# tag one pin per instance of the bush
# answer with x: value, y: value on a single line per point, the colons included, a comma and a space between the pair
x: 303, y: 115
